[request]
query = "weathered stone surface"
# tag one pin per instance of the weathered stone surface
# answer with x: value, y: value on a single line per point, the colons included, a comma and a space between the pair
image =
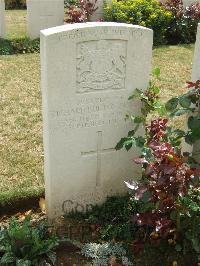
x: 189, y: 2
x: 196, y: 76
x: 196, y: 59
x: 2, y: 18
x: 43, y: 14
x: 185, y: 2
x: 98, y: 14
x: 88, y: 72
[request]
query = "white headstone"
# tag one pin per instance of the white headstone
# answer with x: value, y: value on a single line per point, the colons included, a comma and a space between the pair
x: 43, y: 14
x: 196, y: 59
x: 186, y: 3
x: 2, y: 18
x: 98, y: 13
x: 189, y: 2
x: 195, y: 77
x: 88, y: 72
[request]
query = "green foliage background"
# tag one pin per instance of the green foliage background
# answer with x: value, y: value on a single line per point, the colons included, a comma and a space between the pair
x: 172, y: 24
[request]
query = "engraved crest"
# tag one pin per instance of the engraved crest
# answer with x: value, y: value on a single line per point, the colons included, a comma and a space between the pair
x: 101, y: 65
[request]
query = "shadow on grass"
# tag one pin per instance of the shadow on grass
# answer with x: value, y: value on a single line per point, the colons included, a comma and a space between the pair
x: 19, y: 202
x: 167, y: 46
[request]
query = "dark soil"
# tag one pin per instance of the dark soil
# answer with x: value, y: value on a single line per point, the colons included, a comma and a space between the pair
x: 23, y: 204
x: 69, y: 255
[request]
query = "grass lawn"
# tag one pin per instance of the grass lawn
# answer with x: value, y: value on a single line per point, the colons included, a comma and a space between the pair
x: 16, y: 23
x: 21, y: 172
x: 21, y: 151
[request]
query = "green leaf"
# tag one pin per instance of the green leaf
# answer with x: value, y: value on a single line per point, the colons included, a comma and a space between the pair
x: 157, y: 105
x: 161, y: 110
x: 178, y: 247
x: 23, y: 263
x: 131, y: 97
x: 194, y: 122
x: 195, y: 135
x: 8, y: 257
x: 131, y: 117
x: 3, y: 247
x: 52, y: 257
x: 156, y: 90
x: 131, y: 133
x: 125, y: 142
x: 179, y: 112
x: 195, y: 180
x: 120, y: 144
x: 196, y: 244
x: 172, y: 104
x: 146, y: 196
x: 185, y: 102
x: 128, y: 146
x: 179, y: 133
x: 139, y: 119
x: 129, y: 143
x: 137, y: 94
x: 188, y: 139
x: 156, y: 72
x: 173, y: 215
x: 140, y: 141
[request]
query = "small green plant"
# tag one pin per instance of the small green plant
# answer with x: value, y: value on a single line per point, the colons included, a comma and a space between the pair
x: 113, y: 218
x: 189, y: 226
x: 150, y: 102
x: 106, y: 254
x: 25, y: 245
x: 5, y: 47
x: 23, y: 46
x: 19, y: 46
x: 188, y: 103
x: 69, y: 3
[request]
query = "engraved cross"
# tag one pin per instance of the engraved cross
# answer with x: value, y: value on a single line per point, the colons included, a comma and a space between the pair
x: 99, y: 151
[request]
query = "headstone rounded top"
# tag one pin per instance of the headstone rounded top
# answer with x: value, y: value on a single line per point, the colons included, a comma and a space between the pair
x: 70, y: 27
